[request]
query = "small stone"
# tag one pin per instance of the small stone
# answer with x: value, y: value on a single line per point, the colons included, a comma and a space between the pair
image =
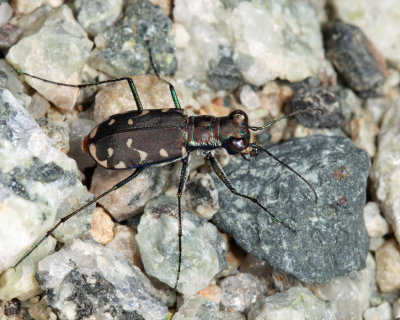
x: 380, y: 22
x: 396, y: 309
x: 356, y: 59
x: 375, y: 243
x: 27, y: 6
x: 130, y: 199
x: 123, y: 49
x: 85, y: 279
x: 240, y: 293
x: 325, y: 245
x: 35, y: 178
x: 212, y: 292
x: 102, y: 226
x: 234, y: 257
x: 95, y: 16
x: 38, y: 106
x: 21, y: 282
x: 203, y: 249
x: 6, y: 12
x: 349, y: 296
x: 197, y: 307
x: 118, y: 98
x: 327, y: 105
x: 248, y: 98
x: 9, y: 34
x: 201, y: 196
x: 385, y: 169
x: 225, y: 315
x: 381, y: 312
x: 124, y: 242
x: 297, y: 302
x: 376, y: 225
x: 388, y: 266
x: 225, y: 75
x: 34, y: 54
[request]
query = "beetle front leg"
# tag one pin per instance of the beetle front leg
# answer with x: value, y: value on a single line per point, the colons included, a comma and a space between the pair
x: 222, y: 176
x: 182, y: 183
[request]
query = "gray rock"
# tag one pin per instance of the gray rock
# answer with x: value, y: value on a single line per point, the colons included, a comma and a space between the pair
x: 297, y: 302
x: 124, y: 49
x: 356, y: 59
x: 203, y: 249
x: 331, y: 239
x: 85, y: 280
x: 318, y: 98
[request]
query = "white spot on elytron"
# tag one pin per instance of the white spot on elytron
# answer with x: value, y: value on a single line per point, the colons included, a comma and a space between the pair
x: 183, y: 151
x: 130, y: 122
x: 165, y: 110
x: 129, y: 142
x: 120, y: 165
x: 110, y: 152
x: 163, y: 153
x: 143, y: 155
x: 93, y: 151
x: 111, y: 122
x: 144, y: 112
x: 93, y: 133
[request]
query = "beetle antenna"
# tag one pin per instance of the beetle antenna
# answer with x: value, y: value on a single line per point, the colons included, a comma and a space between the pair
x: 252, y: 128
x: 256, y: 147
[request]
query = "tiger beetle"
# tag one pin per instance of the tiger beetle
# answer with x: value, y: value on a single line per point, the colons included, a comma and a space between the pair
x: 141, y: 138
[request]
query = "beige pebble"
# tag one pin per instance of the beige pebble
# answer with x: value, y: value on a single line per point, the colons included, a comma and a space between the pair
x: 388, y: 266
x: 102, y: 226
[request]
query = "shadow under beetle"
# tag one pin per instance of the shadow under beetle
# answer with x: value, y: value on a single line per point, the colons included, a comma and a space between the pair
x: 141, y: 138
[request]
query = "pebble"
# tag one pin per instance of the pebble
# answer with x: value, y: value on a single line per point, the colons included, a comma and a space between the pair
x: 197, y: 307
x: 201, y: 196
x: 388, y: 266
x: 79, y: 282
x: 59, y: 32
x: 323, y: 99
x: 203, y: 249
x: 297, y: 302
x: 385, y: 169
x: 381, y: 312
x: 124, y: 242
x: 376, y: 225
x: 240, y: 292
x: 325, y: 245
x: 355, y: 58
x: 95, y: 16
x: 9, y: 34
x: 102, y: 226
x: 27, y: 6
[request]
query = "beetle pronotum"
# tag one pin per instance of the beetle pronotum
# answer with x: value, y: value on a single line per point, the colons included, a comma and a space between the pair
x: 121, y: 143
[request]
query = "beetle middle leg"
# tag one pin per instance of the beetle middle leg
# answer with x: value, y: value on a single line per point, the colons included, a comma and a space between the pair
x: 223, y: 177
x: 182, y: 183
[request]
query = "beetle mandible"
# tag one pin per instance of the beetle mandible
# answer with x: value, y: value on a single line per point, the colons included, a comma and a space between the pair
x: 121, y: 143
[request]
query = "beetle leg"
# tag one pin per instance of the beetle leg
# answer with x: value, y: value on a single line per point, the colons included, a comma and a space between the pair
x: 48, y: 233
x: 171, y: 87
x: 222, y: 176
x: 182, y: 183
x: 85, y: 85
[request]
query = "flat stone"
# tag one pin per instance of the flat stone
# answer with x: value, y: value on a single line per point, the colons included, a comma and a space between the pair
x: 34, y: 54
x: 388, y: 266
x: 331, y: 239
x: 203, y: 249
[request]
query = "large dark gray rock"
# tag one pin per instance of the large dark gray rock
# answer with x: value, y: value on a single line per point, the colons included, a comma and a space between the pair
x: 331, y: 239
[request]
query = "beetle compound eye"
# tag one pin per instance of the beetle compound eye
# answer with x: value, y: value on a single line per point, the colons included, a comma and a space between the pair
x: 237, y: 144
x: 239, y: 116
